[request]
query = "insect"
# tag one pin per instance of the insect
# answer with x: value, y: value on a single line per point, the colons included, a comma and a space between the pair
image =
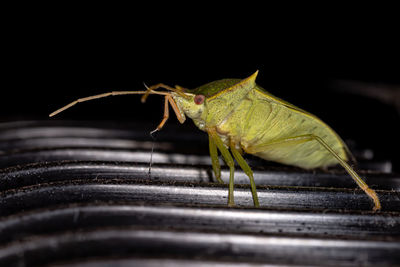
x: 241, y: 117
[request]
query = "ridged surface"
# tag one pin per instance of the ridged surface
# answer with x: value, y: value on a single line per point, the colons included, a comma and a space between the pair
x: 80, y: 194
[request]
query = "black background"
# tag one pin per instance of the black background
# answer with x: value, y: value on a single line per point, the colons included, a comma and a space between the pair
x: 55, y: 54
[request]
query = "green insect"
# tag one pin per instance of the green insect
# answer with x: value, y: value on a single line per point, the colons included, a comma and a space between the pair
x: 241, y: 117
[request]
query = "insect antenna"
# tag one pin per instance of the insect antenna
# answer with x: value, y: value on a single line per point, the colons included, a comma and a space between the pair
x: 113, y: 93
x: 168, y: 101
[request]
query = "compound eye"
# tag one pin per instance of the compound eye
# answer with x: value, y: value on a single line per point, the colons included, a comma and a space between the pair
x: 199, y: 99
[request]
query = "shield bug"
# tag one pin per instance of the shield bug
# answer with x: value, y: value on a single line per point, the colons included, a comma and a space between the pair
x: 240, y: 117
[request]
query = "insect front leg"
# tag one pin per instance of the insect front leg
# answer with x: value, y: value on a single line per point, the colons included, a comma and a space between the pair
x: 168, y: 99
x: 165, y: 116
x: 229, y: 161
x: 310, y: 137
x: 214, y: 159
x: 247, y: 170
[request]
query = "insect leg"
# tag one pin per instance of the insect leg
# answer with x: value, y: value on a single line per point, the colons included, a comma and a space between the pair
x: 180, y: 116
x: 165, y: 116
x: 360, y: 182
x: 214, y: 159
x: 229, y: 161
x: 309, y: 137
x: 246, y: 168
x: 170, y: 100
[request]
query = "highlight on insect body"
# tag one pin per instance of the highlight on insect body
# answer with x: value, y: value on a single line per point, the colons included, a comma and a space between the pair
x: 240, y: 117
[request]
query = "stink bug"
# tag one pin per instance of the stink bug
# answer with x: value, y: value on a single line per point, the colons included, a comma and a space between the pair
x: 240, y: 116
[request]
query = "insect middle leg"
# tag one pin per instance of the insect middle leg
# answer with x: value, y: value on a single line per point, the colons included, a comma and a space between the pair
x: 310, y: 137
x: 229, y: 161
x: 247, y: 170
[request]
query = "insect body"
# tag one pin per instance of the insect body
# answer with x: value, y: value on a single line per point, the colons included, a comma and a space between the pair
x: 239, y: 116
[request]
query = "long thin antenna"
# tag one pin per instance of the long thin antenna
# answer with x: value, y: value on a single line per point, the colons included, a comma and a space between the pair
x: 114, y: 93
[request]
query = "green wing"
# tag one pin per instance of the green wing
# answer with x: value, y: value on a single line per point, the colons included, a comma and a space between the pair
x: 213, y: 88
x: 279, y: 100
x: 293, y: 107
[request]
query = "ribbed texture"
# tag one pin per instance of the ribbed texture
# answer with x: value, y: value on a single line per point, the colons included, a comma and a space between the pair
x: 81, y: 193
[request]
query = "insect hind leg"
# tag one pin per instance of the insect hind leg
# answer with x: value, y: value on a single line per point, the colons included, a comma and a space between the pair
x: 310, y: 137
